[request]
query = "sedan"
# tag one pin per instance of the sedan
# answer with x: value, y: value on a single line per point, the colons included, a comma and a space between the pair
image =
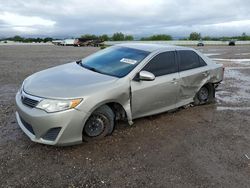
x: 81, y: 101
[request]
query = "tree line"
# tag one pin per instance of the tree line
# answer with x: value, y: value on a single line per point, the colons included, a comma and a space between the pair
x: 28, y: 40
x: 198, y: 36
x: 119, y: 36
x: 115, y: 37
x: 162, y: 37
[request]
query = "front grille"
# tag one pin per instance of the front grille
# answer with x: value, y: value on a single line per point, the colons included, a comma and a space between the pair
x: 52, y: 134
x: 29, y: 102
x: 27, y: 126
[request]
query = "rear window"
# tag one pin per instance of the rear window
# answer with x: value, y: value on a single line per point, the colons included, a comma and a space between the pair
x: 189, y: 60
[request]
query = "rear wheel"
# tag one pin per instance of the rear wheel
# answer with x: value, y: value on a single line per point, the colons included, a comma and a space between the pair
x: 205, y: 95
x: 99, y: 124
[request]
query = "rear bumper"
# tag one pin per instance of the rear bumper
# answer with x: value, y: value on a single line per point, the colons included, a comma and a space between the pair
x: 60, y: 128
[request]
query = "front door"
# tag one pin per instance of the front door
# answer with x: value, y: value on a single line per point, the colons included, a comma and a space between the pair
x: 159, y: 95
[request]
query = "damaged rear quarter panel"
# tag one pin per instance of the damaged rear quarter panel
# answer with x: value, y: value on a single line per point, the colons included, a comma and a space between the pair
x: 191, y: 81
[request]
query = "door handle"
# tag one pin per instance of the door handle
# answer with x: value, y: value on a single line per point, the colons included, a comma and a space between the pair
x: 205, y: 73
x: 174, y: 81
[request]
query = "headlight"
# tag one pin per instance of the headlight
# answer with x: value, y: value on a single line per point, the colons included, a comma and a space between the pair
x: 50, y: 105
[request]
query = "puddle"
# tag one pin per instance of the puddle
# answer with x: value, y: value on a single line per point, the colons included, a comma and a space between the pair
x: 234, y: 91
x: 232, y: 60
x: 221, y: 108
x: 243, y: 54
x: 233, y: 68
x: 211, y: 54
x: 235, y: 61
x: 236, y: 88
x: 236, y: 74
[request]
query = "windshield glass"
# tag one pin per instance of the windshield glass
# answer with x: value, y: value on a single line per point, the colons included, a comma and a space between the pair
x: 114, y: 61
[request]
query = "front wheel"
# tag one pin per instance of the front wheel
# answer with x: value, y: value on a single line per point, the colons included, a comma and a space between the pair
x: 99, y: 124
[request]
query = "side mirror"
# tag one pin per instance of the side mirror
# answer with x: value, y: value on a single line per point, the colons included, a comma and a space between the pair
x: 146, y: 76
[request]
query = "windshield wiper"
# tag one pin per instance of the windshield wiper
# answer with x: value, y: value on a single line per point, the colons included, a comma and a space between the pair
x: 90, y: 68
x: 93, y: 69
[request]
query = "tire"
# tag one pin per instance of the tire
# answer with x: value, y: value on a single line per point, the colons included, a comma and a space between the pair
x: 99, y: 124
x: 205, y: 95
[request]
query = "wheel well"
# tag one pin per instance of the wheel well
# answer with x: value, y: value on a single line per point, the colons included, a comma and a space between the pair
x: 210, y: 87
x: 120, y: 113
x: 211, y: 90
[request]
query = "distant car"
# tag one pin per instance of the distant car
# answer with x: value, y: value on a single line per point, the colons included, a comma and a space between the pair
x: 57, y: 42
x: 68, y: 42
x: 232, y: 43
x: 82, y: 100
x: 200, y: 44
x: 81, y: 42
x: 88, y: 42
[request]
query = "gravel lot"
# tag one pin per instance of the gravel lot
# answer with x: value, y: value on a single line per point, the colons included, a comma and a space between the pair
x: 204, y: 146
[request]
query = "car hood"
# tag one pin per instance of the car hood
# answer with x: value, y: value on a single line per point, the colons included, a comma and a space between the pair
x: 66, y: 81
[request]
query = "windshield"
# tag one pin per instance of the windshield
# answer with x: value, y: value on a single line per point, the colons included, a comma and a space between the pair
x: 114, y: 61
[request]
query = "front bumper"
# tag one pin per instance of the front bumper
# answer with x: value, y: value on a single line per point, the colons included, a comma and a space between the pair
x: 59, y: 128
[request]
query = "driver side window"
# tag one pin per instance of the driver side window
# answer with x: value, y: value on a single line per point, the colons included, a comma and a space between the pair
x: 162, y: 64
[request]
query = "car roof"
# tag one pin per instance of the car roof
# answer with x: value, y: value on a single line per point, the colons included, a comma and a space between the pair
x: 152, y: 47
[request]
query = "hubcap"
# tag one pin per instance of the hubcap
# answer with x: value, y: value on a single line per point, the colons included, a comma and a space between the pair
x: 203, y: 94
x: 95, y: 125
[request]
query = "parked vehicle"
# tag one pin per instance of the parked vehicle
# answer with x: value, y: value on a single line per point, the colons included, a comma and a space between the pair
x: 81, y: 42
x: 200, y: 43
x: 232, y: 43
x: 57, y: 42
x: 82, y: 100
x: 68, y: 42
x: 88, y: 42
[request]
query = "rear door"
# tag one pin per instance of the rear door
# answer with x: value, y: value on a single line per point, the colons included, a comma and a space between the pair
x: 151, y: 97
x: 193, y: 74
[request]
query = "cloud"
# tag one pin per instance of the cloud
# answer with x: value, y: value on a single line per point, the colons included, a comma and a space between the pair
x: 24, y: 24
x: 141, y: 17
x: 15, y: 20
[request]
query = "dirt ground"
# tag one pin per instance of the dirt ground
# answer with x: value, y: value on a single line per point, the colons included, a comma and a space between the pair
x: 204, y: 146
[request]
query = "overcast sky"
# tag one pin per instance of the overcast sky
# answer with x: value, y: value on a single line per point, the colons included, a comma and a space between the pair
x: 63, y: 18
